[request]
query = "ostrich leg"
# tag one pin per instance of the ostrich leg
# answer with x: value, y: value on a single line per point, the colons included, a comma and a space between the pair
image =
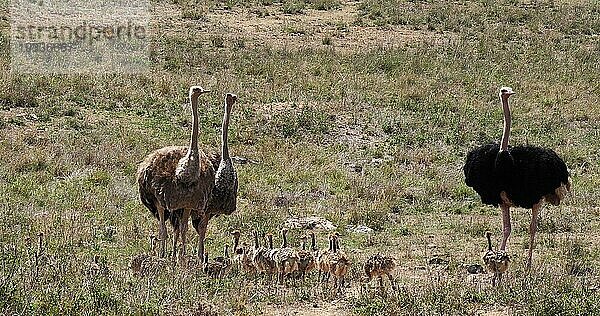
x: 535, y: 211
x: 162, y: 230
x: 506, y: 228
x: 176, y: 231
x: 200, y: 224
x: 183, y: 226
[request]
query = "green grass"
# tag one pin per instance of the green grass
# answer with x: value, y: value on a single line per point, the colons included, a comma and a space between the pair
x: 305, y: 114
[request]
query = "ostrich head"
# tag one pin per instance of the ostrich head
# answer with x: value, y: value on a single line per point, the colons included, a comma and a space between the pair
x: 196, y: 91
x: 236, y: 233
x: 506, y: 92
x: 230, y: 99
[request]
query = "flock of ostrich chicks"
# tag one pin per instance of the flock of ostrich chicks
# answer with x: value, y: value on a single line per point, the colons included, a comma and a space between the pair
x: 285, y: 262
x: 177, y: 183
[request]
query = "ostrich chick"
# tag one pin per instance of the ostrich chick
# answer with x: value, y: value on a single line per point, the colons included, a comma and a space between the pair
x: 379, y: 265
x: 242, y: 256
x: 260, y: 256
x: 495, y: 261
x: 285, y: 258
x: 324, y: 260
x: 339, y: 263
x: 306, y: 259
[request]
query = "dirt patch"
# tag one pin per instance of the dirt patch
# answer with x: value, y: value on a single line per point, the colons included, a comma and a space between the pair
x: 269, y: 26
x: 313, y: 309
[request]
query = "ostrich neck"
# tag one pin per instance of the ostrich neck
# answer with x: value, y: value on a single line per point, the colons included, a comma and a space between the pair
x: 489, y: 242
x: 506, y: 131
x: 255, y: 241
x: 270, y: 242
x: 284, y: 242
x: 236, y: 243
x: 224, y: 146
x: 193, y: 150
x: 313, y: 242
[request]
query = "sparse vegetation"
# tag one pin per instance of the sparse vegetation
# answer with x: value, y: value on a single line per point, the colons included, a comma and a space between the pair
x: 369, y: 127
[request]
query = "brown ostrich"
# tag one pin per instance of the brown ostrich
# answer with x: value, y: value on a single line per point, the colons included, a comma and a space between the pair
x: 379, y: 265
x: 242, y: 255
x: 260, y: 256
x: 214, y: 268
x: 177, y: 178
x: 147, y: 263
x: 285, y: 258
x: 238, y: 251
x: 224, y: 193
x: 339, y: 263
x: 519, y: 176
x: 324, y: 260
x: 306, y: 259
x: 495, y: 261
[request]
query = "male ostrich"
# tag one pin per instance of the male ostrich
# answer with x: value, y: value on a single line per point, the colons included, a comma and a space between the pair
x: 495, y: 261
x: 520, y: 176
x: 223, y: 196
x: 177, y: 178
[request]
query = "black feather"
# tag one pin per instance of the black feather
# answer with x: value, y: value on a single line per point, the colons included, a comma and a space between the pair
x: 525, y: 173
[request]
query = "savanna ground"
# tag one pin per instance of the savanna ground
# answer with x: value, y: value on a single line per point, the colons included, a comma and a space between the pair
x: 401, y: 88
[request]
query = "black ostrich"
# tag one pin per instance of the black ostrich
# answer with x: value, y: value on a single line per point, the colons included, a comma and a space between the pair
x: 521, y: 176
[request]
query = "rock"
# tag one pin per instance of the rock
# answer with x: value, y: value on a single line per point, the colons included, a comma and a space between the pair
x: 311, y: 222
x: 355, y: 168
x: 474, y: 268
x: 376, y: 161
x: 359, y: 229
x: 437, y: 260
x: 243, y: 160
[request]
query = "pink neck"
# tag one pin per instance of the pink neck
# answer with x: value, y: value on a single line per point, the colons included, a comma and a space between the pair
x: 506, y: 131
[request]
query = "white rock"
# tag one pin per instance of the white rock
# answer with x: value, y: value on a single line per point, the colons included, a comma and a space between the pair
x: 311, y: 222
x: 359, y: 229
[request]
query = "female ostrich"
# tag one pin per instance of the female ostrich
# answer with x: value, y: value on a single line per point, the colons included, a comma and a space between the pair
x: 520, y: 176
x: 223, y: 196
x: 177, y: 178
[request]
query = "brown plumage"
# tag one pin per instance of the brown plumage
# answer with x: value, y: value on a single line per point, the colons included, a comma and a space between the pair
x: 225, y: 260
x: 324, y: 260
x: 176, y: 177
x: 246, y: 259
x: 495, y: 261
x: 242, y: 255
x: 339, y: 263
x: 379, y: 265
x: 260, y: 256
x: 212, y: 268
x: 285, y: 258
x: 224, y: 193
x: 306, y: 259
x: 238, y: 251
x: 146, y: 264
